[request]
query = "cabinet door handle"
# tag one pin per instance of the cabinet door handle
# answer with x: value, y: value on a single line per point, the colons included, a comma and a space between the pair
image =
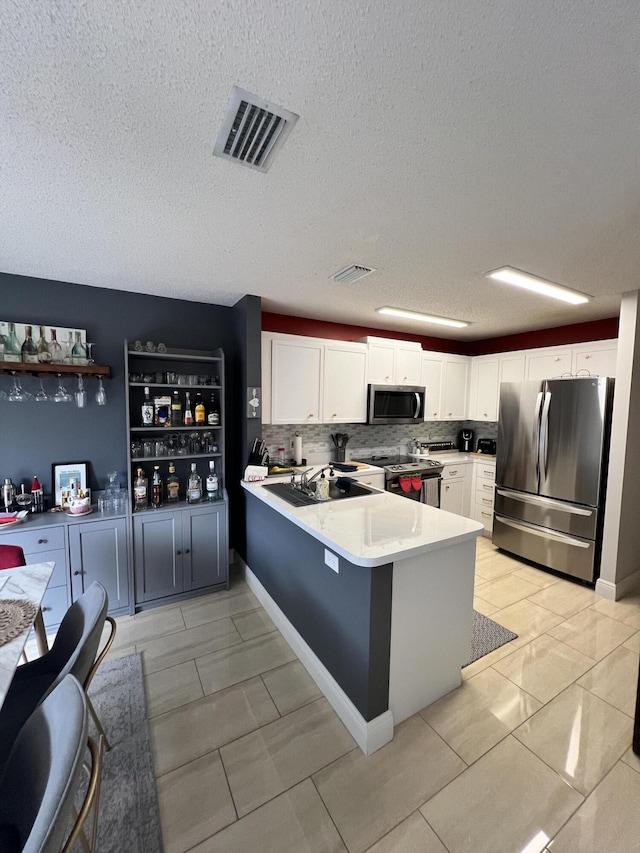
x: 45, y: 609
x: 42, y: 541
x: 178, y: 553
x: 446, y: 488
x: 487, y: 514
x: 488, y: 473
x: 489, y: 488
x: 452, y: 473
x: 187, y: 551
x: 77, y: 573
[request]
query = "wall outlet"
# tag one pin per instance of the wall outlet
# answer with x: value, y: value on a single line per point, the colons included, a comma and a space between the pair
x: 331, y: 560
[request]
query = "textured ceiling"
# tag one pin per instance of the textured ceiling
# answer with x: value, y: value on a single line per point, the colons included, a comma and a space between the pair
x: 436, y: 141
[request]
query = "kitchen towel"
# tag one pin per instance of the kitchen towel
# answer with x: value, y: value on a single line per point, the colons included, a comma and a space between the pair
x: 432, y: 491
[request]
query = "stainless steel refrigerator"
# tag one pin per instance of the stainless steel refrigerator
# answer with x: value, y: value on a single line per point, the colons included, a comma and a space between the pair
x: 552, y: 453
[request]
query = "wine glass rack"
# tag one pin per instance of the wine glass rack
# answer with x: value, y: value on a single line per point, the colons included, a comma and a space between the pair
x: 23, y: 368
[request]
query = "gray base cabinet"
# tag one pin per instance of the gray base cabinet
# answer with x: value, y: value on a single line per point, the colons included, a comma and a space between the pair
x: 180, y: 550
x: 98, y: 552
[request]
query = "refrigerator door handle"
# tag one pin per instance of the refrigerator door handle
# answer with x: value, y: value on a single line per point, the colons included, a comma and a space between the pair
x: 561, y: 506
x: 544, y: 533
x: 536, y: 433
x: 544, y: 435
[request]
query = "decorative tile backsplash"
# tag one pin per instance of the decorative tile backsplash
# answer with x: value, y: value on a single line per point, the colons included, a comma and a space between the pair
x: 365, y: 440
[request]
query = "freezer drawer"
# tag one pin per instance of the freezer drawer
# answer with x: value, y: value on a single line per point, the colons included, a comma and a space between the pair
x: 564, y: 517
x: 568, y: 554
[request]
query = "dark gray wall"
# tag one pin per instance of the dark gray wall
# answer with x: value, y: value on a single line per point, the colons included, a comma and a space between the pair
x: 34, y: 435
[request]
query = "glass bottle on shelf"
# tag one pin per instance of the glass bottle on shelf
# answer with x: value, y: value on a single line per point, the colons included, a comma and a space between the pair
x: 12, y: 347
x: 212, y: 482
x: 147, y: 409
x: 194, y: 486
x: 156, y: 488
x: 173, y: 485
x: 79, y: 351
x: 188, y: 416
x: 176, y: 410
x: 44, y: 354
x: 140, y: 491
x: 213, y: 416
x: 55, y: 350
x: 3, y: 339
x: 29, y: 350
x: 199, y: 410
x: 67, y: 347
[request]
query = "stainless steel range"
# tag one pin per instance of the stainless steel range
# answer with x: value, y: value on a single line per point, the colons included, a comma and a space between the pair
x: 418, y: 480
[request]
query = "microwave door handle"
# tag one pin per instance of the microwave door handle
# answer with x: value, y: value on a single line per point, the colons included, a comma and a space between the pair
x: 536, y: 432
x: 417, y: 411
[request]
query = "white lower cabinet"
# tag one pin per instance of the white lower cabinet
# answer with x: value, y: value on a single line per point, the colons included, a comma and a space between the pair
x: 456, y: 488
x: 483, y: 489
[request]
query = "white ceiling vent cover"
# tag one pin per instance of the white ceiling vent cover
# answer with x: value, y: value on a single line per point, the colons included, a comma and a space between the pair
x: 352, y: 273
x: 253, y: 130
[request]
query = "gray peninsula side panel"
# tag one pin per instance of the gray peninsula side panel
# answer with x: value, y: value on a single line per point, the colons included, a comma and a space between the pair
x: 344, y: 617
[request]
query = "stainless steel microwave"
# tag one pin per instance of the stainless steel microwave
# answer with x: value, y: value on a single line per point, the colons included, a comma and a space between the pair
x: 395, y: 404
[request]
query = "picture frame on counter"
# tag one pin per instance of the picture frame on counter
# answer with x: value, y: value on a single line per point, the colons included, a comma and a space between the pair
x: 62, y: 475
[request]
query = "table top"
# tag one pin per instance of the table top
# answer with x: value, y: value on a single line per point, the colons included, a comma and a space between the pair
x: 30, y: 583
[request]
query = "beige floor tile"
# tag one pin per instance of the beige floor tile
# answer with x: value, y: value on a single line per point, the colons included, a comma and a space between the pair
x: 413, y: 835
x: 614, y: 679
x: 592, y: 633
x: 479, y: 714
x: 564, y: 598
x: 579, y: 735
x: 505, y: 590
x: 255, y: 623
x: 291, y: 687
x: 148, y: 625
x: 608, y: 821
x: 230, y: 666
x: 632, y: 759
x: 538, y: 577
x: 369, y: 795
x: 187, y: 645
x: 192, y: 730
x: 526, y: 619
x: 294, y: 822
x: 194, y: 803
x: 484, y: 607
x: 633, y: 642
x: 265, y: 763
x: 172, y: 687
x: 544, y: 667
x: 626, y: 610
x: 210, y: 607
x: 507, y: 801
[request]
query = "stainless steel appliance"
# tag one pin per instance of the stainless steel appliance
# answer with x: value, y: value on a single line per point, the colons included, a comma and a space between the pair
x: 465, y: 441
x: 487, y: 445
x: 395, y: 404
x: 551, y: 465
x: 417, y: 480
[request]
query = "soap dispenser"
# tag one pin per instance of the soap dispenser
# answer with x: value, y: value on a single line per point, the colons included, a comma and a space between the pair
x: 322, y: 489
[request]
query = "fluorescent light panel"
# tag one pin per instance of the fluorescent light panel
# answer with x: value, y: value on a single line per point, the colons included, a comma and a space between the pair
x: 518, y: 278
x: 422, y: 318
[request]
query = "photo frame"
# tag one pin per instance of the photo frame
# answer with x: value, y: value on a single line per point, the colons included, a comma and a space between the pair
x: 61, y: 475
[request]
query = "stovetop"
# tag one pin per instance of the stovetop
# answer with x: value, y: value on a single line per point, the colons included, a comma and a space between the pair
x: 403, y: 465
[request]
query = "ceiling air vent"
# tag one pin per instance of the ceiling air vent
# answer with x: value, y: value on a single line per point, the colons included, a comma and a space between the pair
x: 351, y: 273
x: 253, y: 130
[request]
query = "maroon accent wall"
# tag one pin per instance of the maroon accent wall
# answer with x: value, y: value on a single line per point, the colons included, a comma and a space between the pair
x: 596, y: 330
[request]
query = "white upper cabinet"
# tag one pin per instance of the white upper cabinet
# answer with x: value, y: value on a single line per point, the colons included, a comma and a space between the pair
x: 265, y: 341
x: 454, y: 387
x: 344, y: 397
x: 483, y: 391
x: 431, y: 379
x: 512, y: 367
x: 548, y: 363
x: 296, y: 380
x: 597, y: 358
x: 408, y: 365
x: 393, y: 362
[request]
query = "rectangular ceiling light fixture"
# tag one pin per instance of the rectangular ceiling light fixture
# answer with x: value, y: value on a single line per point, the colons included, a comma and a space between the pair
x: 518, y: 278
x: 422, y: 318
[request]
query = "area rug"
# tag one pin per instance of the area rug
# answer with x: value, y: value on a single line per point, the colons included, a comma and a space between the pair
x: 129, y: 815
x: 487, y: 637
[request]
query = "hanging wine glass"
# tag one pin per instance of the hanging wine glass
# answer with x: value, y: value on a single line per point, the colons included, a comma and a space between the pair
x: 62, y: 395
x: 41, y: 396
x: 101, y: 394
x: 81, y: 394
x: 16, y: 393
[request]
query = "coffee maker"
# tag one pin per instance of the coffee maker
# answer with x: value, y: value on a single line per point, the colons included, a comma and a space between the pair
x: 465, y: 440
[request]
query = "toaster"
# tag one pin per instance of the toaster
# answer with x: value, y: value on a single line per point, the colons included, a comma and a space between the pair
x: 487, y: 445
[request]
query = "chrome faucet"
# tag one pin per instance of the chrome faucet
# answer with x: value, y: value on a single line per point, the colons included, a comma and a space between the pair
x: 305, y: 481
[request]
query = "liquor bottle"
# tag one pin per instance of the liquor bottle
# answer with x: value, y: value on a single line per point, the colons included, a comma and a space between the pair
x: 44, y: 354
x: 29, y: 350
x: 194, y: 486
x: 188, y: 416
x: 57, y: 354
x: 3, y: 339
x: 140, y: 492
x: 156, y: 488
x: 12, y: 347
x: 212, y: 482
x: 173, y: 485
x: 147, y: 409
x: 213, y: 417
x: 199, y: 410
x: 79, y: 351
x: 176, y: 410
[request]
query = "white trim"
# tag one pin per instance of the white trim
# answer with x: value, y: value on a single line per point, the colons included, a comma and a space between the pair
x: 615, y: 591
x: 369, y: 736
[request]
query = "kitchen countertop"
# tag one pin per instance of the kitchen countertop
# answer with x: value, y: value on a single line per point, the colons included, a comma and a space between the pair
x: 374, y: 529
x: 455, y: 457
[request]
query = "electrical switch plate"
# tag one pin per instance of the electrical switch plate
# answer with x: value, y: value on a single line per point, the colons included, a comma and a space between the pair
x: 331, y: 560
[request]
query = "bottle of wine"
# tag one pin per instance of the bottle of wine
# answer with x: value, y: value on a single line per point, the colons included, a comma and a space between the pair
x: 44, y: 354
x: 194, y: 486
x: 12, y: 347
x: 3, y: 339
x: 79, y: 351
x: 29, y: 350
x: 213, y: 416
x: 212, y: 482
x: 199, y: 410
x: 156, y: 488
x: 188, y: 416
x: 176, y: 410
x: 57, y: 354
x: 147, y: 409
x: 140, y: 491
x: 173, y: 485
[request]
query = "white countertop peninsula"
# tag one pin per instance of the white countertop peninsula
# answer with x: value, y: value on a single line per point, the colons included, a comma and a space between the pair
x: 374, y: 594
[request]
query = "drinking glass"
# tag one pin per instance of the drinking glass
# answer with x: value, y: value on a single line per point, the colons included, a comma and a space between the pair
x: 101, y: 394
x: 62, y: 395
x: 81, y: 394
x: 89, y: 356
x: 17, y: 394
x: 42, y: 396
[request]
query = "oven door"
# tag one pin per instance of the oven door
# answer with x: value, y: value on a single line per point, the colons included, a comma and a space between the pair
x: 396, y: 487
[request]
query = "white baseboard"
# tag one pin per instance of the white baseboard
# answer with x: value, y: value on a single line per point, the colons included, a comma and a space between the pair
x: 369, y: 736
x: 615, y: 591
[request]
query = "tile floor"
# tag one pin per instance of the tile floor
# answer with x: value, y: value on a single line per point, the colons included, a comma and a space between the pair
x: 531, y: 753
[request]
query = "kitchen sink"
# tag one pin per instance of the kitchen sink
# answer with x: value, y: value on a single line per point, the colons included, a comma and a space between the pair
x: 298, y: 498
